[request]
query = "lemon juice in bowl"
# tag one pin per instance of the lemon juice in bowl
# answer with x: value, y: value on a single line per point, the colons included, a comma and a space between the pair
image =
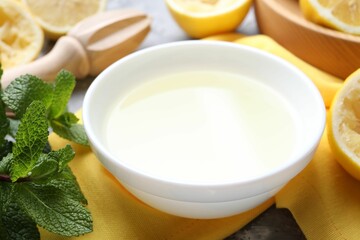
x: 205, y: 125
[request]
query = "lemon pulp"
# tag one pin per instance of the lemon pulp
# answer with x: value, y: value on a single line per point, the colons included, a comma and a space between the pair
x: 205, y: 6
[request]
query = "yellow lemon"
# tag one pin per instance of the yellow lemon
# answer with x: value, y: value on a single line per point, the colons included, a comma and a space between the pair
x: 342, y: 15
x: 58, y: 17
x: 203, y: 18
x: 21, y: 38
x: 344, y: 125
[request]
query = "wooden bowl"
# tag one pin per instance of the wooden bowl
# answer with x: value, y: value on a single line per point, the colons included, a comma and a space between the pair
x: 332, y: 51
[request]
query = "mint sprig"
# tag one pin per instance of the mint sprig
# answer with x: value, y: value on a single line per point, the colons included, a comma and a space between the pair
x: 25, y: 89
x: 37, y: 188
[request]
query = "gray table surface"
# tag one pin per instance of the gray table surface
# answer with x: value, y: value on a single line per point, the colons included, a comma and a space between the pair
x: 273, y: 223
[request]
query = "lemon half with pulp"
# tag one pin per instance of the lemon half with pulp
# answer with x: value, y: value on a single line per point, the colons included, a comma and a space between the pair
x: 344, y: 125
x: 21, y: 38
x: 203, y: 18
x: 342, y: 15
x: 58, y: 17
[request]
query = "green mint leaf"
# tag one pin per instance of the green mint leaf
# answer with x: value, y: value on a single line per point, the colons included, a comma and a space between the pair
x: 4, y: 123
x: 53, y: 162
x: 24, y: 90
x: 1, y: 72
x: 67, y: 119
x: 5, y: 190
x: 37, y: 188
x: 65, y: 182
x: 4, y: 200
x: 5, y: 164
x: 63, y: 156
x: 14, y: 126
x: 31, y: 139
x: 53, y: 211
x: 44, y: 167
x: 16, y: 224
x: 3, y: 230
x: 75, y: 132
x: 63, y: 88
x: 47, y: 148
x: 5, y: 149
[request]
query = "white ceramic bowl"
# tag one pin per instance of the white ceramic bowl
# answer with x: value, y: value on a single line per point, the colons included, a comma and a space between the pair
x: 204, y: 200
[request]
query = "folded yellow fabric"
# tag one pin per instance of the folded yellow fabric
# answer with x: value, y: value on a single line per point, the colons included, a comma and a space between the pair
x: 118, y: 215
x: 324, y: 199
x: 312, y: 196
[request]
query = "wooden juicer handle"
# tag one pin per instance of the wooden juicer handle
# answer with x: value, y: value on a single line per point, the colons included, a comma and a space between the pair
x: 90, y: 47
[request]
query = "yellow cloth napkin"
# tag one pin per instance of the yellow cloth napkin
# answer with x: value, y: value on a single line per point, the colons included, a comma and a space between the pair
x: 118, y: 215
x: 324, y: 199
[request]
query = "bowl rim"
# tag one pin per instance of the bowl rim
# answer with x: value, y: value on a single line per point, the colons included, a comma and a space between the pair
x: 223, y: 185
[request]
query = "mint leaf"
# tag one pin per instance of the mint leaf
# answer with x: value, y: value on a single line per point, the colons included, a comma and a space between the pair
x: 74, y: 132
x: 14, y: 126
x: 5, y: 190
x: 52, y: 162
x: 16, y: 224
x: 67, y: 119
x: 4, y: 200
x: 63, y: 156
x: 5, y: 164
x: 4, y: 123
x: 31, y: 139
x: 1, y: 72
x: 37, y: 188
x: 5, y: 149
x: 65, y: 182
x: 44, y: 167
x: 52, y: 210
x: 24, y: 90
x: 63, y: 88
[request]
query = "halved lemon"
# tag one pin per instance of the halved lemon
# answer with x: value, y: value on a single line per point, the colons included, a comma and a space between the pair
x: 21, y: 38
x: 342, y: 15
x: 58, y: 17
x: 344, y: 125
x: 203, y: 18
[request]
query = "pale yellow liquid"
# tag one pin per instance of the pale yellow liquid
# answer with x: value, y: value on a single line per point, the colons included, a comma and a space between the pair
x: 202, y: 127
